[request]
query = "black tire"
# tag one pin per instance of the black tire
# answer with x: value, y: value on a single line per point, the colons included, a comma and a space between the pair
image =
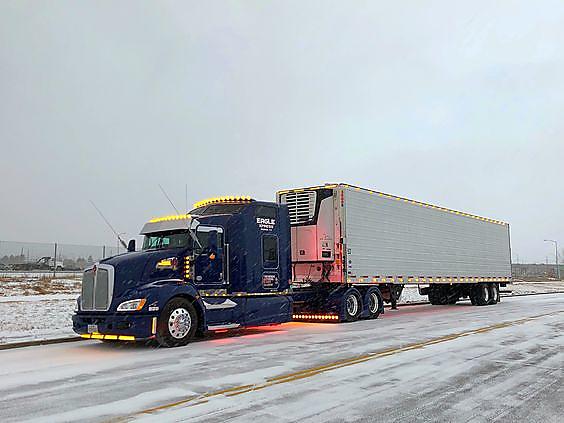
x: 177, y: 323
x: 352, y: 305
x: 374, y: 302
x: 494, y: 293
x: 481, y: 294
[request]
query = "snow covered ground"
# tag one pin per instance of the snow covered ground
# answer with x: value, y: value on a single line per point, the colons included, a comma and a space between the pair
x: 36, y: 306
x: 420, y: 363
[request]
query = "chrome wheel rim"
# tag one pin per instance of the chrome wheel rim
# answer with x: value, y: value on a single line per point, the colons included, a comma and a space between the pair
x: 352, y: 305
x: 373, y: 305
x: 179, y: 323
x: 486, y: 293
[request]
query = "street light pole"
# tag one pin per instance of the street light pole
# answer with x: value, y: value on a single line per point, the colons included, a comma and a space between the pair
x: 555, y: 256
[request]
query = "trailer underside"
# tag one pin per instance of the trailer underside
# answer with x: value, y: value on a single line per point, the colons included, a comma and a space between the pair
x: 347, y: 302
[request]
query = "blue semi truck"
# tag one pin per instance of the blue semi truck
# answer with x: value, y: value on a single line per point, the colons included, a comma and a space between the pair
x: 330, y: 253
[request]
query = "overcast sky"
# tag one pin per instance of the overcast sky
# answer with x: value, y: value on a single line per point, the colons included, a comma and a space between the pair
x: 455, y: 103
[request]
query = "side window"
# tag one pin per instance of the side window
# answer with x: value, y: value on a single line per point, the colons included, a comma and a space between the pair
x: 270, y: 251
x: 211, y: 238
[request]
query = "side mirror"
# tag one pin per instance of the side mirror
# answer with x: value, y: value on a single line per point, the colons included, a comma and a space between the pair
x: 131, y: 246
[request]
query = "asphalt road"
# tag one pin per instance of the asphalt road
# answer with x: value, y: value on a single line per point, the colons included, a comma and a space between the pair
x: 421, y: 363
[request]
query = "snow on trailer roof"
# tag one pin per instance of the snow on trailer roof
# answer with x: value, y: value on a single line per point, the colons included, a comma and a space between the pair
x: 395, y: 197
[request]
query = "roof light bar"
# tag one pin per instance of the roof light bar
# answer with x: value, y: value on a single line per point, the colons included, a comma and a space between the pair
x: 225, y: 199
x: 170, y: 218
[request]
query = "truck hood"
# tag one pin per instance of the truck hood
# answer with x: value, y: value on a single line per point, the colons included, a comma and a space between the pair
x: 132, y: 270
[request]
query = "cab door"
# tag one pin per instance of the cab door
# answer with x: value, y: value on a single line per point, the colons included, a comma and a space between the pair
x: 209, y: 259
x: 222, y: 309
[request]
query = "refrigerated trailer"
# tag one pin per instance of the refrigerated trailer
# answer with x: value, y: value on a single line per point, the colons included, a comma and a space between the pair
x: 328, y: 253
x: 347, y: 240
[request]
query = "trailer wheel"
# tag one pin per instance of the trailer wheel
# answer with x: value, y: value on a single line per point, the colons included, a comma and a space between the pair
x: 482, y: 294
x: 494, y: 293
x: 177, y: 323
x: 352, y: 305
x: 375, y: 303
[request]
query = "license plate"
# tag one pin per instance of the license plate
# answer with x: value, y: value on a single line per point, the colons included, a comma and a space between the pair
x: 92, y: 328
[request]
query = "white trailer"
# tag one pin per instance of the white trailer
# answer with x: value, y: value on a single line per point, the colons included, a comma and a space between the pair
x: 354, y: 237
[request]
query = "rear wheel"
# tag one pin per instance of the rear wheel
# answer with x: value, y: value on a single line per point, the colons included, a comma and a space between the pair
x: 481, y: 293
x: 352, y: 305
x: 375, y: 303
x: 177, y: 324
x: 494, y: 293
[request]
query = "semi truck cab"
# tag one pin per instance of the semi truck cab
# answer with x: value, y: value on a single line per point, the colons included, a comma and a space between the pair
x: 224, y: 265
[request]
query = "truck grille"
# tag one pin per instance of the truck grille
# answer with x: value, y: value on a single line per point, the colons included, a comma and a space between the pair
x: 97, y: 288
x: 301, y: 206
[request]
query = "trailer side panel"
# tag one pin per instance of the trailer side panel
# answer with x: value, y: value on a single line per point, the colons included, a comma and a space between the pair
x: 387, y: 236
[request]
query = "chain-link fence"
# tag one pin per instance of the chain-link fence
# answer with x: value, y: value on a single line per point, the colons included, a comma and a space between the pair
x: 51, y: 257
x: 528, y: 271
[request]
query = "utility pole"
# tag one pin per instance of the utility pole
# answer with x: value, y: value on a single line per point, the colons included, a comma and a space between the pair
x: 54, y: 262
x: 555, y: 256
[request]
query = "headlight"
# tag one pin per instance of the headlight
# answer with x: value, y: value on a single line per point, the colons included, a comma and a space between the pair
x: 76, y: 305
x: 132, y: 305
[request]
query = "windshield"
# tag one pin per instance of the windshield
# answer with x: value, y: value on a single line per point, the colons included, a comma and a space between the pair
x: 163, y: 240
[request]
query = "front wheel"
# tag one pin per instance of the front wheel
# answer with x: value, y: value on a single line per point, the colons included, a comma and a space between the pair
x: 177, y: 323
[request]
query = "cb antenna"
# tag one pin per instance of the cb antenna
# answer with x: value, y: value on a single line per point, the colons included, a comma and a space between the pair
x: 168, y: 198
x: 186, y: 196
x: 110, y: 225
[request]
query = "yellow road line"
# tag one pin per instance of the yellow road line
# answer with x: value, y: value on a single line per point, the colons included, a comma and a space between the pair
x: 312, y: 371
